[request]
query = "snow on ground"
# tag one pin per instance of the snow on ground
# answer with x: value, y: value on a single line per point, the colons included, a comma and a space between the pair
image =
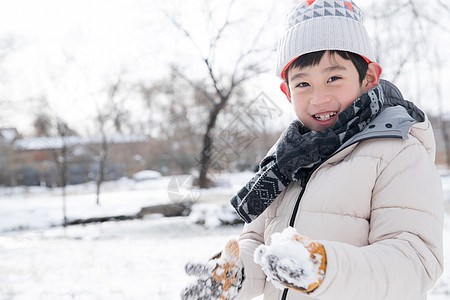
x: 117, y: 260
x: 139, y: 259
x: 40, y: 207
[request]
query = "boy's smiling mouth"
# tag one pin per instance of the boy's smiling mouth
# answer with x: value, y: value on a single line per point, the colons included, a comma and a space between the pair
x: 325, y: 117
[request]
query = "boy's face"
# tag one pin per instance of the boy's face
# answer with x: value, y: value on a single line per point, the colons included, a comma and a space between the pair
x: 319, y: 93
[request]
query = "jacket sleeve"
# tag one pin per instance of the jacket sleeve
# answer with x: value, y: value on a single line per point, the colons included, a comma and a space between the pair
x: 252, y: 236
x: 404, y: 257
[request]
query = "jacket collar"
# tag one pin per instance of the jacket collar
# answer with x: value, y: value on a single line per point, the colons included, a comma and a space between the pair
x: 395, y: 121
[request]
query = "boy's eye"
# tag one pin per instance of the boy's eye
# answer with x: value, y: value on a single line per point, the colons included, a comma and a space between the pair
x: 302, y: 84
x: 334, y: 78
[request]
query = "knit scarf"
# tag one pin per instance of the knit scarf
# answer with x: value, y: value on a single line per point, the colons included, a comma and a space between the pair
x: 299, y: 151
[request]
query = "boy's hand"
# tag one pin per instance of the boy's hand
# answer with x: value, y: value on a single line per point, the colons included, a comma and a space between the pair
x: 292, y: 261
x: 220, y: 278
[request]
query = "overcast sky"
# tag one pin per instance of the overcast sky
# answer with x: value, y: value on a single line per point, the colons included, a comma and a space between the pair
x: 68, y: 51
x: 62, y: 48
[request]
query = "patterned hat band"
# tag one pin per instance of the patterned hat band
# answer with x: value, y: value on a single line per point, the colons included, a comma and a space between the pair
x: 323, y: 25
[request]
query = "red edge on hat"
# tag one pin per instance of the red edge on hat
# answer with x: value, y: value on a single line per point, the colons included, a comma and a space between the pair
x: 366, y: 59
x: 283, y: 73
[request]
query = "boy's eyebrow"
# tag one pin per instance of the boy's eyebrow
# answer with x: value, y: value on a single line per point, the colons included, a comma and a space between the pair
x: 334, y: 68
x: 297, y: 75
x: 326, y: 70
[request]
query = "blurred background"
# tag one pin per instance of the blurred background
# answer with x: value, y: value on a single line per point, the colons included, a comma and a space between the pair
x: 140, y: 110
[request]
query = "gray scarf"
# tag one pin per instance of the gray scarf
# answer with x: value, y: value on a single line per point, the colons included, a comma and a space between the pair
x: 299, y: 151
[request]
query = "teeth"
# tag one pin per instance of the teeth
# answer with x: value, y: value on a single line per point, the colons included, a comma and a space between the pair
x: 324, y: 117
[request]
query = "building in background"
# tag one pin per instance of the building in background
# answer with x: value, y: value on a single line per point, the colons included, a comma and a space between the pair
x: 34, y: 161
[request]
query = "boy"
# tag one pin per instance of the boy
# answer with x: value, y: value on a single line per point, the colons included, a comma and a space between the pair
x: 353, y: 180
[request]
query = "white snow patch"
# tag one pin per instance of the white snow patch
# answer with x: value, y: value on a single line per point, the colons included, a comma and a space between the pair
x: 40, y: 207
x: 135, y: 260
x: 146, y: 175
x: 213, y: 215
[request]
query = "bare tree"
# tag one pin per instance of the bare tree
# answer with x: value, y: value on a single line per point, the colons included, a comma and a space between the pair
x: 174, y: 145
x: 9, y: 162
x: 220, y: 84
x: 443, y: 122
x: 59, y: 144
x: 42, y: 124
x: 401, y: 33
x: 60, y: 154
x: 100, y: 158
x: 110, y: 113
x: 446, y: 6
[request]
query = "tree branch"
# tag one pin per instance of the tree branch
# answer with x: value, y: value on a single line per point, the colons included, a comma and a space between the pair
x: 218, y: 90
x: 402, y: 63
x: 115, y: 88
x: 194, y: 85
x: 214, y: 40
x: 206, y: 60
x: 444, y: 5
x: 185, y: 32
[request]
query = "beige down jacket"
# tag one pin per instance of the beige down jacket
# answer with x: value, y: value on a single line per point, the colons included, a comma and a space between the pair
x: 377, y: 208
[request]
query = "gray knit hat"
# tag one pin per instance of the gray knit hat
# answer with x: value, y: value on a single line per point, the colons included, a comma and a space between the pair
x: 315, y: 25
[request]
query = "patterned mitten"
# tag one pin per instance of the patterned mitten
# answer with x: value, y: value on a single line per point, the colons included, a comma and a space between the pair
x: 292, y: 261
x: 220, y: 278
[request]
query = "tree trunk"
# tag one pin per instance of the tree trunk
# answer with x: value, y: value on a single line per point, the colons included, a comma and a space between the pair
x: 205, y: 160
x: 446, y: 138
x: 100, y: 178
x: 442, y: 116
x: 101, y: 168
x: 64, y: 181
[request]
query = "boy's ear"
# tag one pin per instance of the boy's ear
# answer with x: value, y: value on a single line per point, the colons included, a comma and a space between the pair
x: 285, y: 89
x: 372, y: 76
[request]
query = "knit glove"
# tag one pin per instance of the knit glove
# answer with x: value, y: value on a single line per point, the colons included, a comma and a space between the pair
x: 219, y: 278
x: 293, y: 261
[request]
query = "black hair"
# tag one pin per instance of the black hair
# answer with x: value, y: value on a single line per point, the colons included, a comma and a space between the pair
x: 313, y: 59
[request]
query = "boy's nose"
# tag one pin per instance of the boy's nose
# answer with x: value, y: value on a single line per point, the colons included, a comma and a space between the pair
x: 319, y: 98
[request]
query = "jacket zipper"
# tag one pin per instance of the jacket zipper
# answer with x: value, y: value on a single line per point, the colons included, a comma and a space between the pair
x: 284, y: 294
x: 297, y: 204
x: 294, y: 215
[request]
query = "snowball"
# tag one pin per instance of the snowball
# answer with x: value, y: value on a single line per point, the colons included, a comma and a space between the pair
x: 288, y: 261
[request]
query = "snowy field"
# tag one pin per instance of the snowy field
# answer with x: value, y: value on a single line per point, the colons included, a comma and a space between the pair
x: 139, y: 259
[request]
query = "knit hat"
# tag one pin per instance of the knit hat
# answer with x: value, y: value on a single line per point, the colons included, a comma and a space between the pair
x: 315, y: 25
